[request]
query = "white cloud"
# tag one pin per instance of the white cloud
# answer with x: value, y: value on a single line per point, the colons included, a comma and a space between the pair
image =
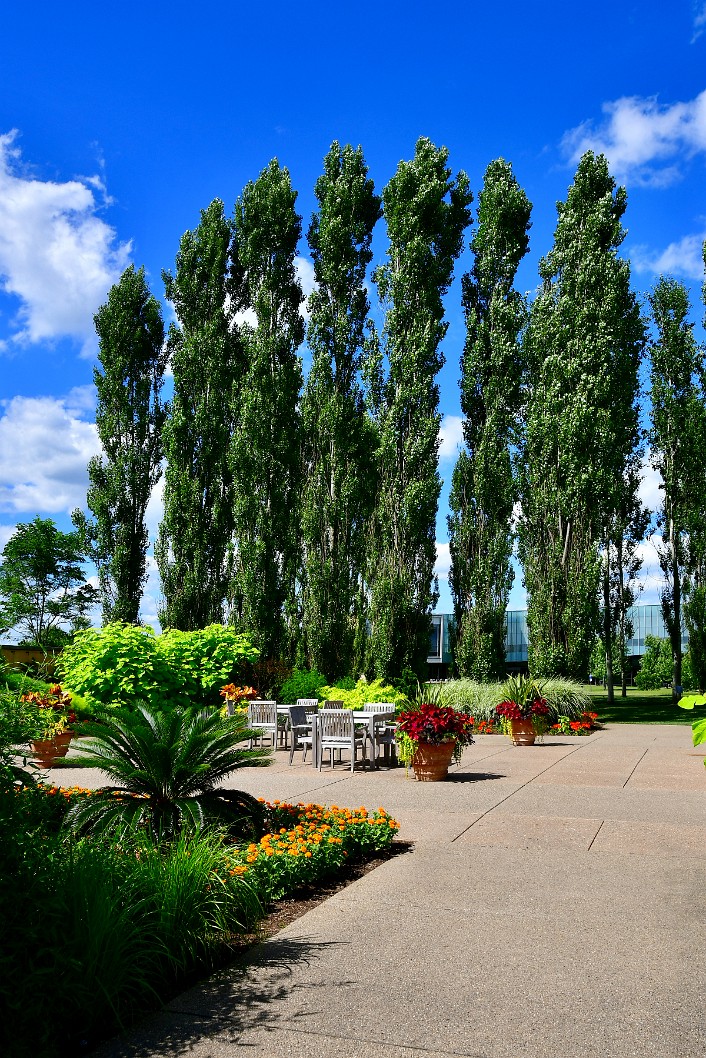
x: 450, y: 436
x: 305, y: 274
x: 45, y: 446
x: 443, y: 561
x: 699, y: 20
x: 57, y: 256
x: 650, y: 577
x: 683, y: 258
x: 650, y: 493
x: 643, y: 139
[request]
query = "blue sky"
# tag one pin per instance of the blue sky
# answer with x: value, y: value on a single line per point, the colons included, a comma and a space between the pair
x: 119, y: 123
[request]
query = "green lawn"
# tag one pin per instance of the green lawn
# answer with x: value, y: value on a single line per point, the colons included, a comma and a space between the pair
x: 640, y: 707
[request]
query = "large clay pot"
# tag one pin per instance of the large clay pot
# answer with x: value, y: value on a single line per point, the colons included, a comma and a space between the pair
x: 431, y: 763
x: 44, y: 752
x: 522, y: 732
x: 62, y: 741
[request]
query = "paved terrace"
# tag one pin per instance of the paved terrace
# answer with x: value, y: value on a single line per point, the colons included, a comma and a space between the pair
x: 553, y: 905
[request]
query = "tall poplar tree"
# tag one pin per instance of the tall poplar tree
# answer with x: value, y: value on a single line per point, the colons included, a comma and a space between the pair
x: 195, y: 535
x: 695, y: 604
x: 677, y: 440
x: 427, y: 211
x: 265, y: 452
x: 583, y: 346
x: 129, y: 419
x: 339, y: 487
x: 483, y: 490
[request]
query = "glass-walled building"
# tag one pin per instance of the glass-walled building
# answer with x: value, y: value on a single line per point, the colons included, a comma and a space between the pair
x: 646, y: 621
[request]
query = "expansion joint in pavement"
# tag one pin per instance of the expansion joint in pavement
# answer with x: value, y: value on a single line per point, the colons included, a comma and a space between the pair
x: 513, y: 792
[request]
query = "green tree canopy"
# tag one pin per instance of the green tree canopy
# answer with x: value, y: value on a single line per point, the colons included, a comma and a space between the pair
x: 583, y: 346
x: 338, y: 437
x: 427, y: 211
x: 129, y: 419
x: 677, y: 440
x: 195, y: 535
x: 484, y: 491
x: 265, y: 451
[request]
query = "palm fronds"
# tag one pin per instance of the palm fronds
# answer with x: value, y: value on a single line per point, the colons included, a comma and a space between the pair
x: 167, y: 767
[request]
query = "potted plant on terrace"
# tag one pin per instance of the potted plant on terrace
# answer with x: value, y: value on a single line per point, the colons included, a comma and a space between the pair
x: 524, y: 712
x: 52, y: 720
x: 429, y: 736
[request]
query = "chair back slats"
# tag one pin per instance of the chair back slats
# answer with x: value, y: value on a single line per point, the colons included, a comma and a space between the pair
x: 332, y: 705
x: 262, y: 712
x: 379, y: 707
x: 335, y: 723
x: 310, y: 704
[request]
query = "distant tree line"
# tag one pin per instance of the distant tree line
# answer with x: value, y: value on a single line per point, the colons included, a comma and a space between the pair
x: 304, y: 511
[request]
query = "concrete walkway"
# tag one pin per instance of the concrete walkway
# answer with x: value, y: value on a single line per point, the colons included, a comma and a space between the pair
x: 552, y: 907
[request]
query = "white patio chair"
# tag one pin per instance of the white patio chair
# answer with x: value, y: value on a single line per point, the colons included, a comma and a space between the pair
x: 262, y: 718
x: 302, y: 731
x: 337, y: 732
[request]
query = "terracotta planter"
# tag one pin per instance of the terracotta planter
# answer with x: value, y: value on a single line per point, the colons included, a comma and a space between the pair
x: 44, y: 752
x: 522, y: 732
x: 431, y: 763
x: 62, y: 741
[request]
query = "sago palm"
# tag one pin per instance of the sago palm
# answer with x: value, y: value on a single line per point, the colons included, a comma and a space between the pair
x: 167, y: 766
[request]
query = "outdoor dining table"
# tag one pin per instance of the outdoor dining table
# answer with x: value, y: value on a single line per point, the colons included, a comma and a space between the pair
x: 361, y: 718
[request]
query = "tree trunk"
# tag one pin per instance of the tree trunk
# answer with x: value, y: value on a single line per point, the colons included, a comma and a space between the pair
x: 607, y: 628
x: 621, y: 618
x: 675, y: 631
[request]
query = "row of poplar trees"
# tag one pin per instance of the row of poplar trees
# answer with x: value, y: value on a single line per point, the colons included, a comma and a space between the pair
x: 304, y: 512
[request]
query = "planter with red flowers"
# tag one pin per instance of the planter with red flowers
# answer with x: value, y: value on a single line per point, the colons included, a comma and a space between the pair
x: 524, y: 713
x: 429, y: 736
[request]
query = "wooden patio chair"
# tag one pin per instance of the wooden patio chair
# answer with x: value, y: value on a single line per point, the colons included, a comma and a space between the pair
x: 262, y: 719
x: 337, y: 732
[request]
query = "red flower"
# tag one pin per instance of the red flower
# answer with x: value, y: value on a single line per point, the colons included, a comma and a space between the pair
x: 434, y: 724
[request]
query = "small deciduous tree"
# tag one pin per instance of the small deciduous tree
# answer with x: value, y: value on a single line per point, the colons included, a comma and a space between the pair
x: 43, y: 586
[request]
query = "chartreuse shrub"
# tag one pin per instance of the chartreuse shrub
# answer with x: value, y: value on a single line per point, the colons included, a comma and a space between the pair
x: 120, y: 665
x: 364, y: 691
